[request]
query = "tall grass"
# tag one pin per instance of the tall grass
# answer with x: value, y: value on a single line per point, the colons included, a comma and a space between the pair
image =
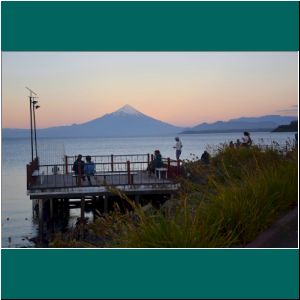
x: 247, y: 190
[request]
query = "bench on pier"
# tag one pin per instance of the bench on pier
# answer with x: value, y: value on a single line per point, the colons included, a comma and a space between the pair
x: 160, y: 171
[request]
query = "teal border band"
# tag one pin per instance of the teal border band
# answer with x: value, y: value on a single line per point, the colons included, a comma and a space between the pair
x: 150, y: 26
x: 91, y: 274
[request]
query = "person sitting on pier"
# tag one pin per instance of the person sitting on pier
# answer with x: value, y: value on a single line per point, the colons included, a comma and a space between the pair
x: 156, y: 162
x: 89, y: 168
x: 247, y: 141
x: 78, y: 167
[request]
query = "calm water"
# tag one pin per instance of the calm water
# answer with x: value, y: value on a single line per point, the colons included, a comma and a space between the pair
x: 18, y: 226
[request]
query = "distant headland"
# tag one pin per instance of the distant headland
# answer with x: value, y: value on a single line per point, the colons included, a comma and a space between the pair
x: 292, y: 127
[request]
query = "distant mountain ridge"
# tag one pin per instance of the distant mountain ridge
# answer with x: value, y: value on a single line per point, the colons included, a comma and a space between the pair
x: 129, y: 122
x: 263, y: 123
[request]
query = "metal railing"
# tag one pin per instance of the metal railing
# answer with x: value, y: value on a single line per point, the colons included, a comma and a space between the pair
x: 112, y: 170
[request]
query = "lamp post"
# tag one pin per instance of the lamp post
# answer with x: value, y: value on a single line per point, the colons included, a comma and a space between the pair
x: 35, y: 106
x: 31, y: 107
x: 30, y: 104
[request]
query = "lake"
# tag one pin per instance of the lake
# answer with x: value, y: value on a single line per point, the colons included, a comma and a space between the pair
x: 18, y: 225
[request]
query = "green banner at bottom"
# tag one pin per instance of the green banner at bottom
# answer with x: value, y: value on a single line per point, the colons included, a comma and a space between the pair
x: 158, y: 273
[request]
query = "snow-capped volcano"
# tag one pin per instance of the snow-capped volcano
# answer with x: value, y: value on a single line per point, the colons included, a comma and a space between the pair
x: 126, y: 121
x: 127, y: 109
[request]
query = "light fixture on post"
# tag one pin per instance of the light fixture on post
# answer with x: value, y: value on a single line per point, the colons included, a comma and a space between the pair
x: 31, y: 100
x: 35, y: 106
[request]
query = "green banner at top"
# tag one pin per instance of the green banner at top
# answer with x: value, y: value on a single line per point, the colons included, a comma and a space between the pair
x: 150, y: 26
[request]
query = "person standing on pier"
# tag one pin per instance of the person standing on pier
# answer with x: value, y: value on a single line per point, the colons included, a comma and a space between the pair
x: 89, y: 168
x: 178, y: 147
x: 78, y: 167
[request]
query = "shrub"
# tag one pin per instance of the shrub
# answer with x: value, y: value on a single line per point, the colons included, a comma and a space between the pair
x: 249, y: 191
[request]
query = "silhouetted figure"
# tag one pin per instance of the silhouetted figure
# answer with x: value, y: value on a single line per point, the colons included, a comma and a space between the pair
x: 238, y: 143
x: 178, y: 147
x: 78, y: 167
x: 156, y: 162
x: 205, y: 158
x: 231, y: 144
x: 247, y: 141
x: 89, y: 168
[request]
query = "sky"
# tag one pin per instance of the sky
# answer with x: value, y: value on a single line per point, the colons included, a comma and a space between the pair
x: 181, y: 88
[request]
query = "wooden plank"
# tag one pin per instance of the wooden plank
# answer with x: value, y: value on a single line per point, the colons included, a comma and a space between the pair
x: 64, y: 186
x: 66, y: 180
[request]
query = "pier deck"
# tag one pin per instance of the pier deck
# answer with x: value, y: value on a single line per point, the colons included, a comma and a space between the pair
x: 65, y: 185
x: 127, y: 173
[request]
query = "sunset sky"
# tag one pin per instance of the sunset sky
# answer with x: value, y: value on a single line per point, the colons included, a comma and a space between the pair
x: 181, y: 88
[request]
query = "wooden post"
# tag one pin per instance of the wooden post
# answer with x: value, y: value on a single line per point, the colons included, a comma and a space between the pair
x: 41, y: 209
x: 34, y: 208
x: 148, y: 159
x: 178, y: 167
x: 137, y: 199
x: 51, y: 208
x: 105, y: 204
x: 128, y: 172
x: 82, y: 220
x: 152, y: 157
x: 51, y: 215
x: 82, y: 209
x: 168, y: 166
x: 66, y: 164
x: 41, y: 220
x: 94, y: 203
x: 112, y: 162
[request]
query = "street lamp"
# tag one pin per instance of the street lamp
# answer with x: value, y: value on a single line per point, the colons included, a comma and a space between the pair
x: 32, y: 107
x: 35, y: 106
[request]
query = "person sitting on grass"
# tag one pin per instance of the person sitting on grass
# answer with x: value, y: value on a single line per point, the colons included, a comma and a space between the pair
x: 238, y: 143
x: 205, y: 158
x: 156, y: 162
x: 89, y: 168
x: 247, y: 141
x: 78, y: 167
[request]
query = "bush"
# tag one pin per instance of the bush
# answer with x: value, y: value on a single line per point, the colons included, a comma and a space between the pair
x: 248, y: 190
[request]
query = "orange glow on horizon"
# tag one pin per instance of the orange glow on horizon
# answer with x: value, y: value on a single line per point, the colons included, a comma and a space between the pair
x: 180, y: 88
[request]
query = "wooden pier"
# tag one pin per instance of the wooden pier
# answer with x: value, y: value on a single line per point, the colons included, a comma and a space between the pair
x: 49, y: 185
